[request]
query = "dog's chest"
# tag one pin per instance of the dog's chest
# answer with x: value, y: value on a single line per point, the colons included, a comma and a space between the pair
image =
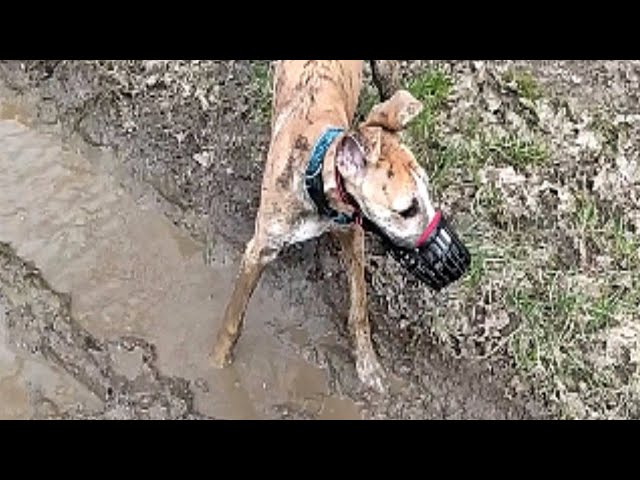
x: 307, y: 228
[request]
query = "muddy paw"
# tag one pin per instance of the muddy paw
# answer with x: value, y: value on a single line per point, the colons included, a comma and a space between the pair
x: 371, y: 373
x: 219, y: 358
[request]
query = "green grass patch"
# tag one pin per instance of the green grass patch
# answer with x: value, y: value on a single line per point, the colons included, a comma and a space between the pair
x: 613, y: 236
x: 556, y: 321
x: 524, y: 83
x: 513, y: 150
x: 431, y: 87
x: 600, y: 312
x: 541, y: 346
x: 586, y: 214
x: 444, y: 159
x: 261, y: 76
x: 490, y: 203
x: 367, y: 100
x: 607, y: 130
x: 624, y: 244
x: 479, y: 255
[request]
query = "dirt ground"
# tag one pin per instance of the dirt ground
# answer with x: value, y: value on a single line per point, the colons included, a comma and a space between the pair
x: 535, y: 161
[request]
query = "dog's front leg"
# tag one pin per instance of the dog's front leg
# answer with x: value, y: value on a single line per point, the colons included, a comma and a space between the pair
x: 367, y: 365
x: 255, y: 258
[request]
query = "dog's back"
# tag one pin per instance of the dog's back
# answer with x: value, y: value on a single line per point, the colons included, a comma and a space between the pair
x: 308, y: 96
x: 312, y: 91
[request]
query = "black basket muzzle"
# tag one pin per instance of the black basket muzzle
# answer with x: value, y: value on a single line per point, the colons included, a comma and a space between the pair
x: 439, y: 257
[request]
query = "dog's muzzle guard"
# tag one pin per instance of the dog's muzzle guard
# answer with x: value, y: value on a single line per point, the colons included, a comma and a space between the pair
x: 438, y: 258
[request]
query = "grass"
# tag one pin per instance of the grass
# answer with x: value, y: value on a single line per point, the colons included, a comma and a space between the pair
x: 477, y: 268
x: 586, y: 213
x: 489, y: 253
x: 612, y: 235
x: 607, y: 130
x: 468, y: 156
x: 524, y: 83
x: 431, y: 87
x: 368, y: 98
x: 477, y: 148
x: 555, y: 323
x: 490, y: 204
x: 262, y: 83
x: 559, y: 318
x: 624, y: 244
x: 516, y: 151
x: 601, y: 313
x: 447, y: 157
x: 560, y: 323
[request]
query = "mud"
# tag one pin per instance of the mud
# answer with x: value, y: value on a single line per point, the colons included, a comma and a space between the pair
x: 127, y: 193
x: 131, y: 273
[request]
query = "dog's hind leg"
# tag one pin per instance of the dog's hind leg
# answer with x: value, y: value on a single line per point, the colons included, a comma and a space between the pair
x: 367, y: 365
x: 256, y: 257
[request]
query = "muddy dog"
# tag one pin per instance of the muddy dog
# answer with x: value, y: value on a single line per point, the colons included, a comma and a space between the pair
x: 323, y: 175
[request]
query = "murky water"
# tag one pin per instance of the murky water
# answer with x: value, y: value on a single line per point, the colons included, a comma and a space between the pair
x: 130, y: 271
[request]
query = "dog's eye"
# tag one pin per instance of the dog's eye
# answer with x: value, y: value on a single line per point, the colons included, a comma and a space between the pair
x: 411, y: 211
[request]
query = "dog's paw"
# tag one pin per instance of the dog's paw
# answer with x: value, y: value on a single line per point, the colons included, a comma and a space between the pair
x: 219, y: 358
x: 371, y: 373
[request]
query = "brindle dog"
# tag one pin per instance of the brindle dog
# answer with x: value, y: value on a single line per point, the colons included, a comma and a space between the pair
x: 366, y: 171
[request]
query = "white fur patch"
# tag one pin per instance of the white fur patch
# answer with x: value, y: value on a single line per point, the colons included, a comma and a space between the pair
x: 420, y: 178
x: 306, y: 230
x: 282, y: 118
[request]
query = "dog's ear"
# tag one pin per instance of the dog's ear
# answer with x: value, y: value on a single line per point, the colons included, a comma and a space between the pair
x: 395, y: 113
x: 350, y: 157
x: 358, y: 149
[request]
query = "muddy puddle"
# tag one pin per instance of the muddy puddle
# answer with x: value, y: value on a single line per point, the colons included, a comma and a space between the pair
x: 131, y: 272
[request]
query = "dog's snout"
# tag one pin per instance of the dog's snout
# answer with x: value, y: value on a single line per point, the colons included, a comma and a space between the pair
x: 410, y: 211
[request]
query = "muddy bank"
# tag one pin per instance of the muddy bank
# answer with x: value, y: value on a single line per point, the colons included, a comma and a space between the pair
x: 196, y: 132
x: 39, y: 323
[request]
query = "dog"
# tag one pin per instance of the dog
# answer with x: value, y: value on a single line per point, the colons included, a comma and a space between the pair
x: 323, y: 175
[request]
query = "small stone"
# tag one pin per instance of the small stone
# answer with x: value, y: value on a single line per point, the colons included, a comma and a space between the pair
x: 203, y: 158
x: 493, y: 101
x: 587, y: 139
x: 202, y: 385
x: 152, y: 80
x: 497, y: 321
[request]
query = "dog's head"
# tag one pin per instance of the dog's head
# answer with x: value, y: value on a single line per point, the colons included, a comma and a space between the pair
x: 383, y: 175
